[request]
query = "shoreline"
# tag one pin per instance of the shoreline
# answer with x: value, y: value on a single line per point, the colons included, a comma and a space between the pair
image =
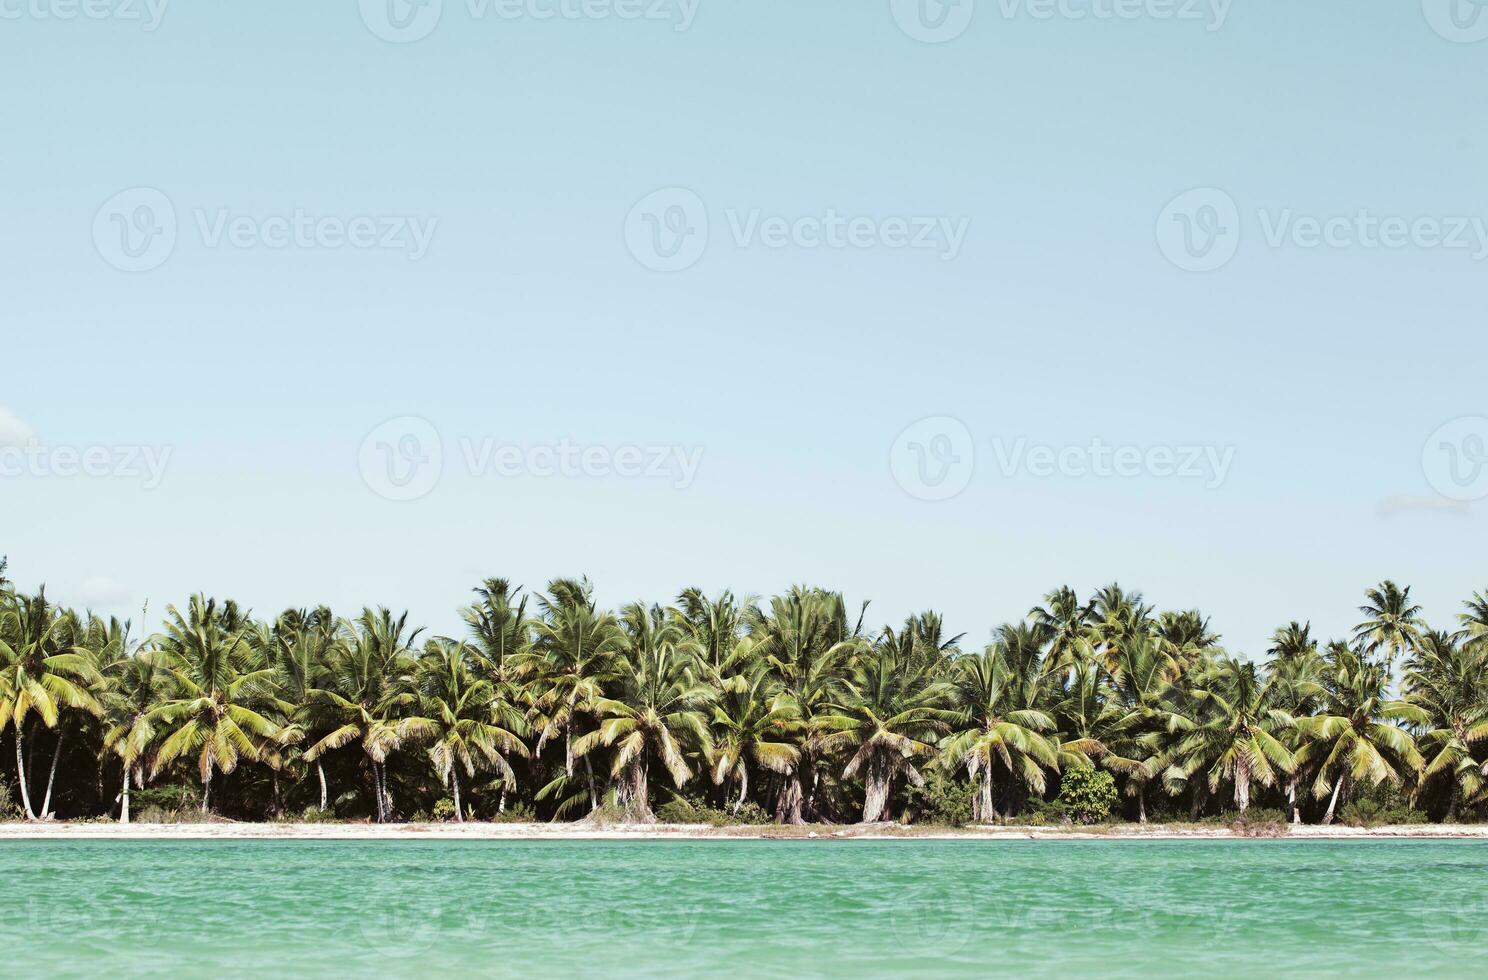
x: 227, y: 830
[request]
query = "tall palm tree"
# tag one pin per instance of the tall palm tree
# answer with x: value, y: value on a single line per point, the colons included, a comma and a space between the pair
x: 367, y: 686
x: 886, y: 717
x: 1448, y: 681
x: 1229, y: 725
x: 574, y: 654
x: 805, y: 640
x: 301, y: 647
x: 132, y: 689
x: 43, y: 672
x: 996, y: 722
x: 218, y: 688
x: 1392, y: 623
x: 463, y: 716
x: 751, y: 728
x: 1066, y: 624
x: 657, y: 710
x: 1353, y: 733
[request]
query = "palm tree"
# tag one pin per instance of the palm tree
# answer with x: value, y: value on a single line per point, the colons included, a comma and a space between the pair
x: 656, y: 711
x: 886, y: 717
x: 574, y: 655
x: 805, y: 640
x: 1066, y: 624
x: 301, y: 648
x: 131, y: 692
x: 1229, y: 725
x: 1140, y: 678
x: 1355, y: 740
x: 1474, y: 630
x: 996, y: 722
x: 751, y: 728
x: 43, y: 672
x: 1094, y: 728
x: 218, y: 687
x: 469, y: 725
x: 1392, y: 623
x: 1448, y: 681
x: 367, y: 683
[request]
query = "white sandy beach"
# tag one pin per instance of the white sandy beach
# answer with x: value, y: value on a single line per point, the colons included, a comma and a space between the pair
x: 226, y: 830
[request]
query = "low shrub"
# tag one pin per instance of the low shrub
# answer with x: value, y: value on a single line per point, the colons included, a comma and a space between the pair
x: 1087, y: 793
x: 943, y: 801
x: 444, y: 811
x: 683, y: 810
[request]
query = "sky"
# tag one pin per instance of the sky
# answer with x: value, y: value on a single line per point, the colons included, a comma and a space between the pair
x: 939, y: 305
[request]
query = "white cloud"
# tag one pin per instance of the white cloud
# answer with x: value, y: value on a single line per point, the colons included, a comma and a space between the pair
x: 100, y: 590
x: 14, y: 432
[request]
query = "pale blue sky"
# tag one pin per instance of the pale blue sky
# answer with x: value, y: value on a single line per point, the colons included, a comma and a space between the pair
x: 528, y: 141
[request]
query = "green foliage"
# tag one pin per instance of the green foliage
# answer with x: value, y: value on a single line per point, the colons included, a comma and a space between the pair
x: 682, y: 810
x: 444, y: 811
x: 168, y: 798
x: 943, y: 801
x: 1087, y: 793
x: 1385, y: 806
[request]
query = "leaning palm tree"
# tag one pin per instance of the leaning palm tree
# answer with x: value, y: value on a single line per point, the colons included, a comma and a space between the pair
x: 43, y: 673
x: 1353, y: 735
x: 996, y: 723
x: 462, y: 716
x: 657, y: 710
x: 218, y: 688
x: 1229, y: 724
x: 886, y: 718
x: 1448, y: 681
x: 1066, y: 624
x: 1392, y: 623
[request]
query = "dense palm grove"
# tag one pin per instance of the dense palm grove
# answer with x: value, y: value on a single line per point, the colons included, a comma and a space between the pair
x: 549, y: 707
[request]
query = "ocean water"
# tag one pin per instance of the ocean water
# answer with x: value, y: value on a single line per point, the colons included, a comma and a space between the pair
x: 745, y: 908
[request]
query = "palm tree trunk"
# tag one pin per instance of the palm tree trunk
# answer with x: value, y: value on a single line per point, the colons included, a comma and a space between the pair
x: 987, y: 804
x: 1451, y: 816
x: 1242, y: 789
x: 206, y: 787
x: 1333, y: 803
x: 568, y: 755
x: 743, y: 788
x: 593, y: 793
x: 21, y: 776
x: 788, y: 801
x: 876, y: 795
x: 1196, y: 804
x: 124, y: 796
x: 1142, y: 803
x: 455, y: 785
x: 1294, y: 812
x: 320, y: 771
x: 384, y: 800
x: 46, y: 801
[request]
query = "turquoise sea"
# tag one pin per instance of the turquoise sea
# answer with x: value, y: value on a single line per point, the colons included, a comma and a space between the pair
x: 745, y: 908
